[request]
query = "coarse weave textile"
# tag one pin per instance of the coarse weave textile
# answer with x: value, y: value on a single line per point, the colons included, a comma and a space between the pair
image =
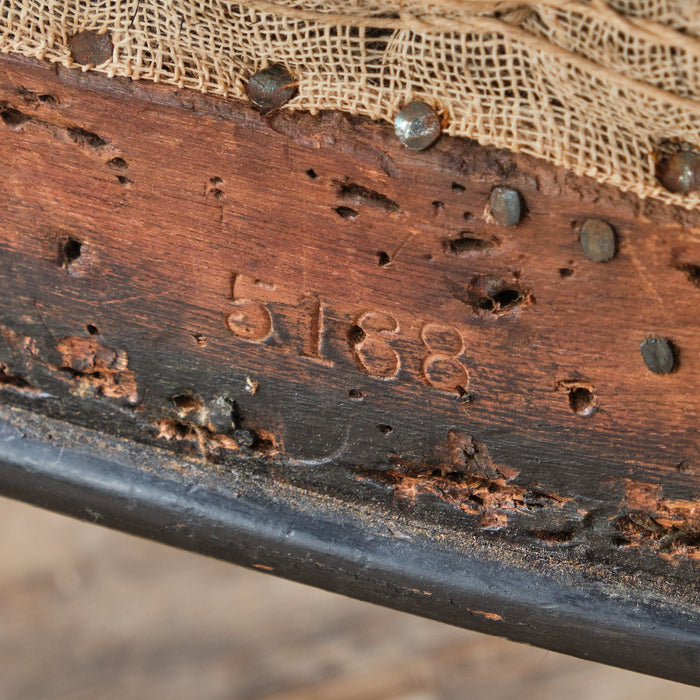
x: 602, y: 88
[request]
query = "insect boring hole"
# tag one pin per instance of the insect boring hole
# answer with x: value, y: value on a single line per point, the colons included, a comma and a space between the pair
x: 383, y: 258
x: 69, y: 251
x: 356, y: 335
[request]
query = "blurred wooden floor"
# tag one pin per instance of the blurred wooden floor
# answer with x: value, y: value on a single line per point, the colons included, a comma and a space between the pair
x: 89, y: 613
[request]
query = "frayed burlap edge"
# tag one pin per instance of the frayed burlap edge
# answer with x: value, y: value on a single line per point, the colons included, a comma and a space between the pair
x: 603, y: 89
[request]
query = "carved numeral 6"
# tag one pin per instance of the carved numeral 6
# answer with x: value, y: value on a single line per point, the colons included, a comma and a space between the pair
x: 441, y: 368
x: 371, y: 351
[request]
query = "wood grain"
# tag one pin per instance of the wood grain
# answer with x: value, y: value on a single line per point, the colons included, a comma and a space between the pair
x: 293, y: 293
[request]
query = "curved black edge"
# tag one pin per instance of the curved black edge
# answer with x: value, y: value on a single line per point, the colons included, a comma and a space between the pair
x: 333, y: 550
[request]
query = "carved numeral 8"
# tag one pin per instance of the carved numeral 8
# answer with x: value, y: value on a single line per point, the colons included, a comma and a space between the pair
x: 371, y: 351
x: 441, y: 367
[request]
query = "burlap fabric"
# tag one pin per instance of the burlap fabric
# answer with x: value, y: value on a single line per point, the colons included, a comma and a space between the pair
x: 601, y: 88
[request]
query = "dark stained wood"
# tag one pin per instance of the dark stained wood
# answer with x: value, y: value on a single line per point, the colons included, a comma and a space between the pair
x: 207, y: 247
x: 303, y: 296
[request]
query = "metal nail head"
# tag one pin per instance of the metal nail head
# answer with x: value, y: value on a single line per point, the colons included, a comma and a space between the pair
x: 272, y: 87
x: 89, y: 48
x: 680, y: 173
x: 658, y: 355
x: 417, y: 126
x: 245, y: 438
x: 506, y: 206
x: 598, y: 240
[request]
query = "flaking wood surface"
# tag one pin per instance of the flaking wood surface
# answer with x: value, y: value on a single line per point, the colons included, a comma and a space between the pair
x: 301, y: 294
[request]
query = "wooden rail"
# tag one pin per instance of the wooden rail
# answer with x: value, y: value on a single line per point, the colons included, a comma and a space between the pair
x: 300, y: 300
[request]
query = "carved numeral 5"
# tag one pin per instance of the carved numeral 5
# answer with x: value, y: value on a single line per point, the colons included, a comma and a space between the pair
x: 250, y: 320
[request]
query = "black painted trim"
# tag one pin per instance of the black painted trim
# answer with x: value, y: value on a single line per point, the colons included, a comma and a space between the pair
x: 131, y: 488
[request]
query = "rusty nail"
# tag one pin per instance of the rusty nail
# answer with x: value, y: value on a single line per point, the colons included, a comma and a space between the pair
x: 506, y: 206
x: 658, y: 355
x: 245, y: 438
x: 272, y: 87
x: 598, y: 240
x: 89, y: 48
x: 417, y: 126
x: 680, y: 172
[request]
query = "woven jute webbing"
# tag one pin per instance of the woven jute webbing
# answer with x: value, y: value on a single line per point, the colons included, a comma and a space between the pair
x: 601, y: 88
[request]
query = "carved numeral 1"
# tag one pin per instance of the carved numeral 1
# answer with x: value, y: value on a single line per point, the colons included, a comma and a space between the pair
x: 313, y: 344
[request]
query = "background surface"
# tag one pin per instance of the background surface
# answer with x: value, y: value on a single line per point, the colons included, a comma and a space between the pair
x: 89, y: 613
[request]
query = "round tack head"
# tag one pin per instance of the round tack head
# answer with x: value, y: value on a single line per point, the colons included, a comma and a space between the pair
x: 658, y: 355
x: 598, y: 240
x: 243, y: 437
x: 90, y: 48
x: 272, y: 87
x: 680, y: 172
x: 417, y: 126
x: 506, y: 206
